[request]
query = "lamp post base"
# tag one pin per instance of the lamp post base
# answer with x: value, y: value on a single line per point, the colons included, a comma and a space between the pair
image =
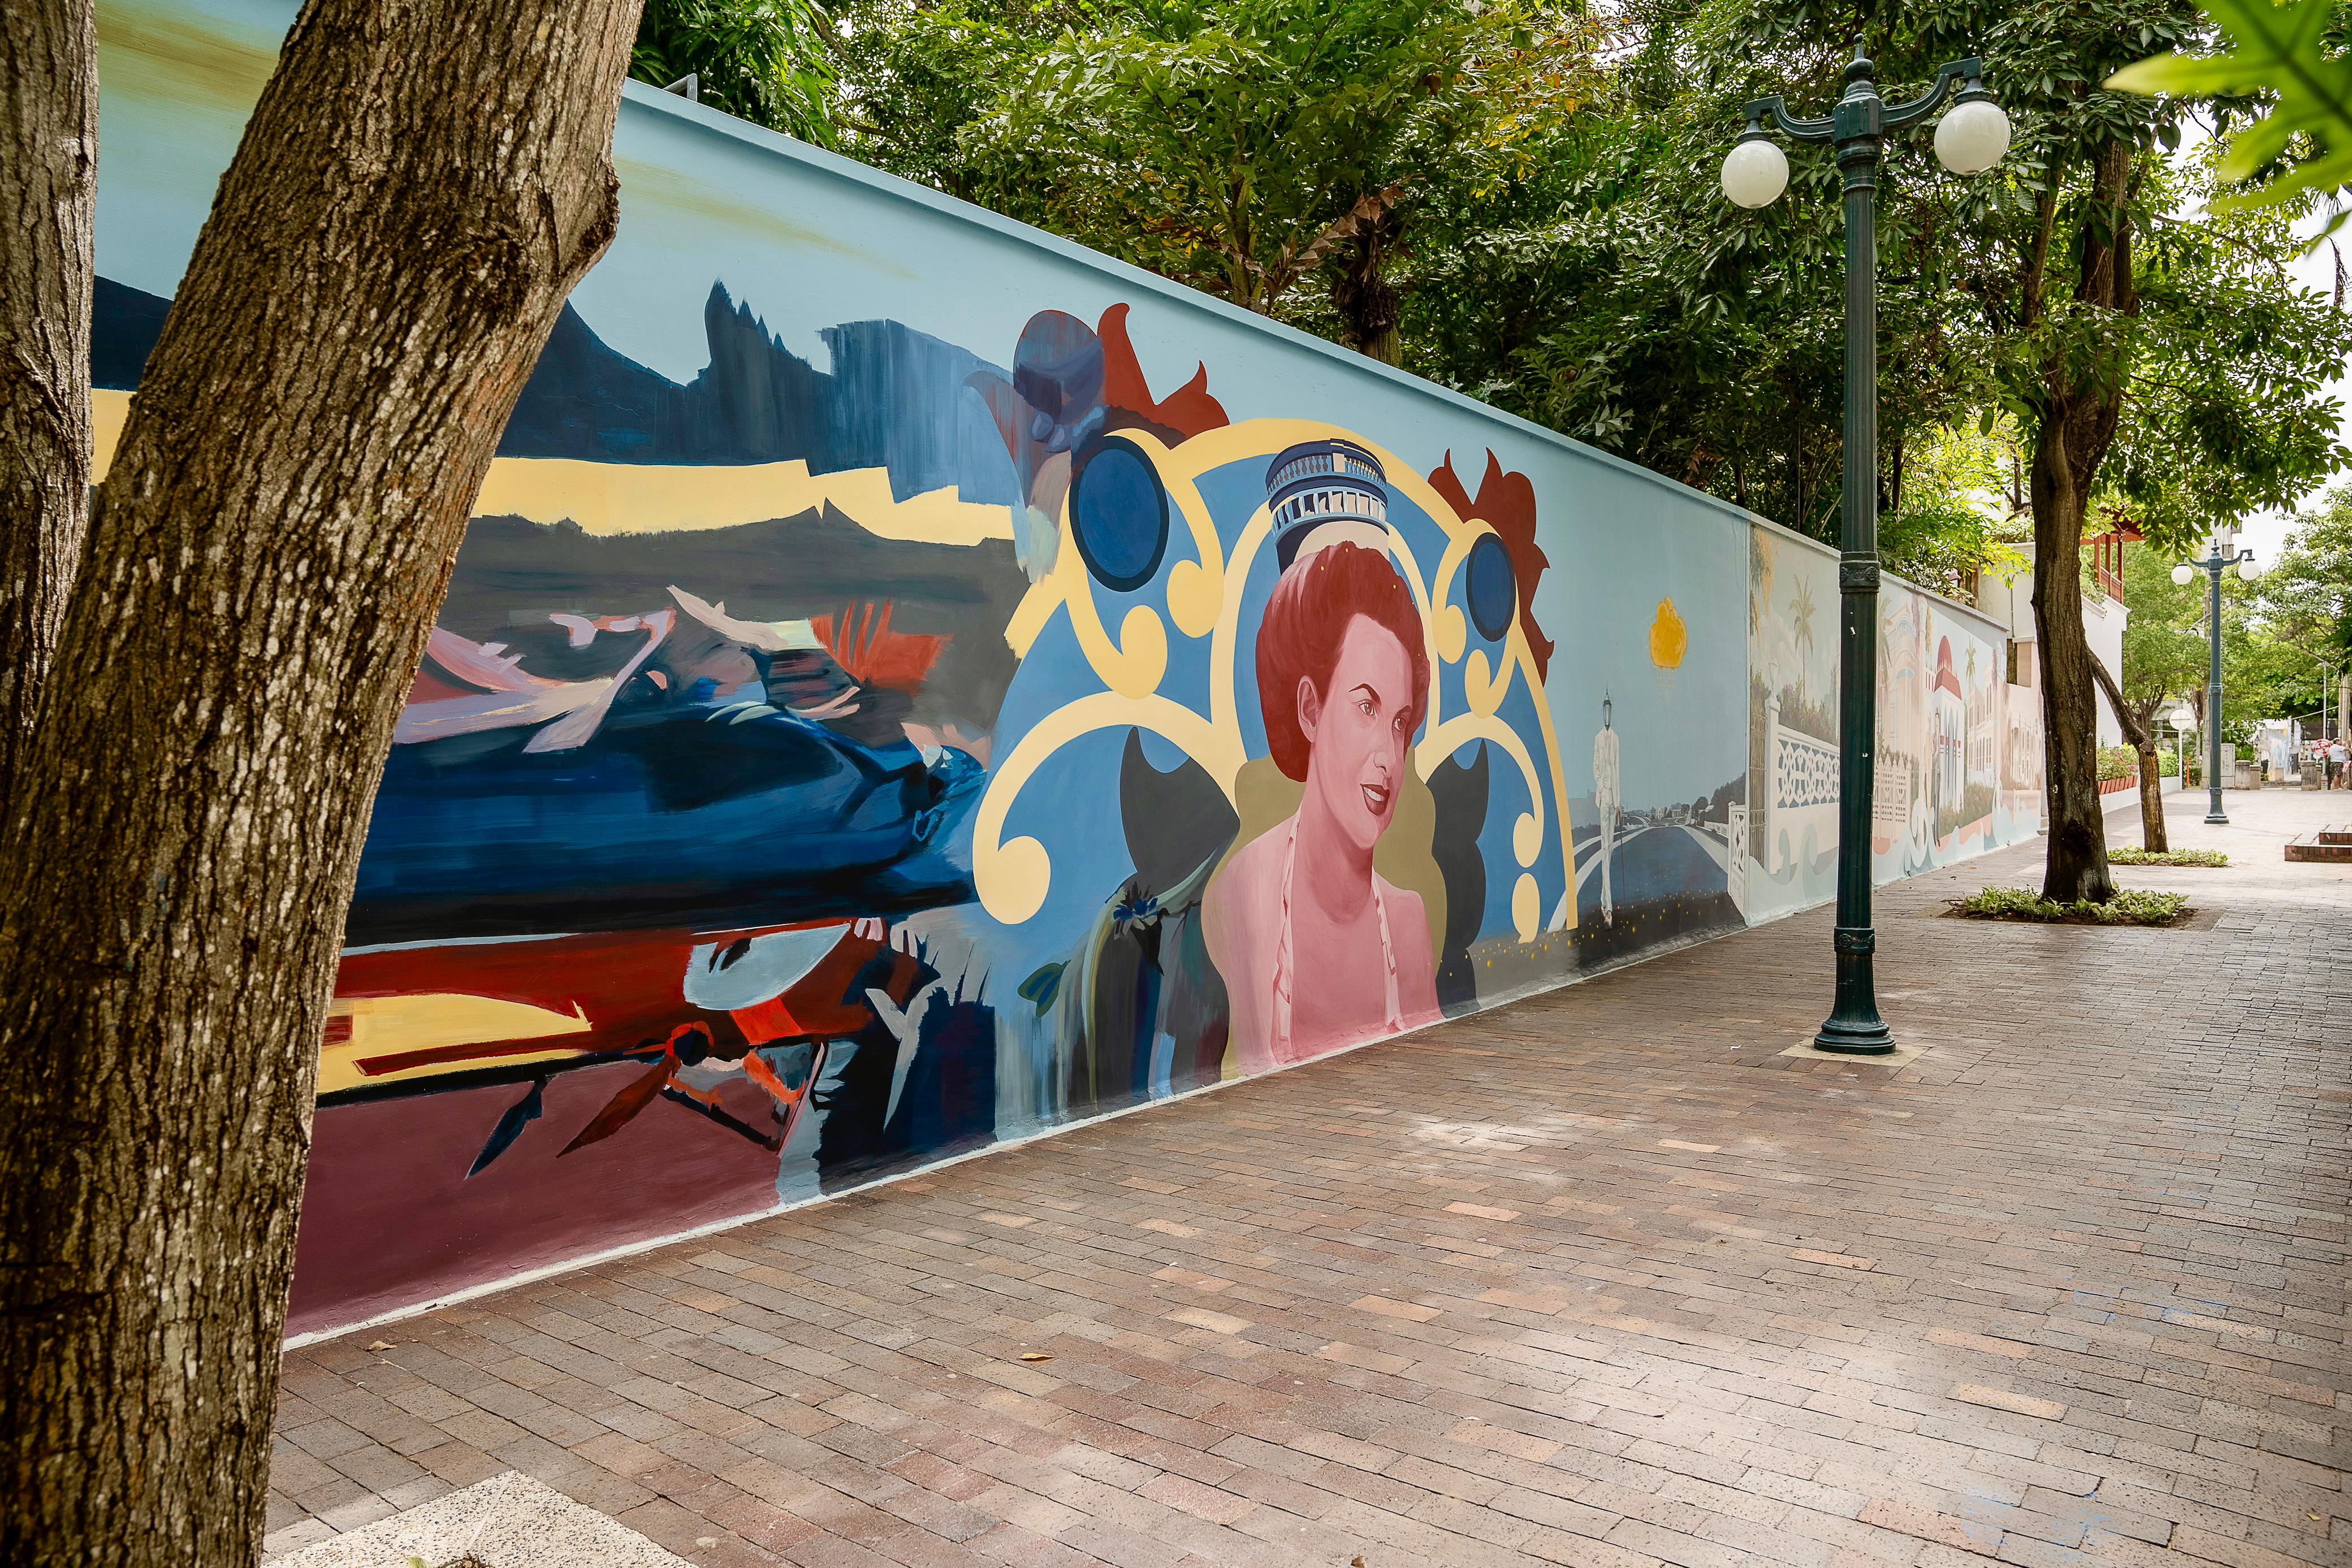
x: 1855, y: 1037
x: 1854, y: 1028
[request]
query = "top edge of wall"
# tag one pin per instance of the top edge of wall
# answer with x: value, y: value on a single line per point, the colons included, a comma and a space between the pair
x: 791, y: 151
x: 1957, y: 606
x: 836, y: 166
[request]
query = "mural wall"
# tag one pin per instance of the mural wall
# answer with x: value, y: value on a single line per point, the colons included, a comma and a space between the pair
x: 1958, y: 754
x: 911, y: 683
x: 1959, y: 749
x: 1792, y: 826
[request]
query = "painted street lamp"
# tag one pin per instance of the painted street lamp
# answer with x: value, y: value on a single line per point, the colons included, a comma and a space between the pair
x: 2226, y: 557
x: 1971, y: 139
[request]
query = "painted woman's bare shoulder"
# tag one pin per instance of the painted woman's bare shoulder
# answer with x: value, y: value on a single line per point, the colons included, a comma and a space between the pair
x: 1402, y: 902
x: 1257, y: 864
x: 1241, y: 906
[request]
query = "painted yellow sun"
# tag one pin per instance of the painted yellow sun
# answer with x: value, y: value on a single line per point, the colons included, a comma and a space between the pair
x: 1669, y: 638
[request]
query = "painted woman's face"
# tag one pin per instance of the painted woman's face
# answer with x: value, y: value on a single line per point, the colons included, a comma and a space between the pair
x: 1361, y: 730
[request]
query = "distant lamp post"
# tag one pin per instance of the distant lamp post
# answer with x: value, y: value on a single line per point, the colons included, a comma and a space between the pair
x: 2226, y: 557
x: 2184, y: 721
x: 1971, y: 140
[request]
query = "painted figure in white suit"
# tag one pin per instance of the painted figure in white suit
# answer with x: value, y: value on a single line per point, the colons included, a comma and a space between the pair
x: 1606, y: 800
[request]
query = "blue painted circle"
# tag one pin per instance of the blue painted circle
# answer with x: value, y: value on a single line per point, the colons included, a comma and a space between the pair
x: 1118, y: 511
x: 1491, y: 588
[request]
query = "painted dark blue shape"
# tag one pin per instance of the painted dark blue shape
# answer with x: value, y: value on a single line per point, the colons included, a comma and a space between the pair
x: 123, y: 326
x: 518, y: 1116
x: 1119, y: 512
x: 738, y: 813
x: 1491, y: 588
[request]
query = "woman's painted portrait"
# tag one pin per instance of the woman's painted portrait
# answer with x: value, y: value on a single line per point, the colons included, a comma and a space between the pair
x: 1318, y: 950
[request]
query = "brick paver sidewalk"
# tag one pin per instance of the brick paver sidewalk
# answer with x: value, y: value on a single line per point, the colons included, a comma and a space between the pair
x: 1596, y: 1279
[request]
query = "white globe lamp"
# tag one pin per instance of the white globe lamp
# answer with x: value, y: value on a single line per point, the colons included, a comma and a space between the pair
x: 1754, y: 171
x: 2184, y: 574
x: 2249, y: 570
x: 1972, y: 136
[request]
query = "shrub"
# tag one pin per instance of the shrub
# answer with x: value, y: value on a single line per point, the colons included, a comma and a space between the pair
x: 2126, y: 854
x: 2130, y: 907
x: 2117, y: 762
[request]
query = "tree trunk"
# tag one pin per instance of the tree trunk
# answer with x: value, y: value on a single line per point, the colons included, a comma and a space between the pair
x: 2134, y: 723
x: 48, y: 172
x: 419, y: 187
x: 2080, y: 404
x: 1366, y: 299
x: 2077, y: 866
x: 2152, y: 836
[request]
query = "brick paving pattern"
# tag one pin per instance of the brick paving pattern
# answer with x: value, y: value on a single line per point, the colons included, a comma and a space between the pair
x: 1570, y: 1282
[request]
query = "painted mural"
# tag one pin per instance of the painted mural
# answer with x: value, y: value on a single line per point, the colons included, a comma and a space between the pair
x: 910, y: 683
x: 1942, y: 696
x: 1646, y: 690
x: 2023, y: 786
x: 1791, y: 821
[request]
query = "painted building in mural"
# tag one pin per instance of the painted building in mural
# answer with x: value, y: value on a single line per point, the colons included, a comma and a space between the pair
x: 911, y: 683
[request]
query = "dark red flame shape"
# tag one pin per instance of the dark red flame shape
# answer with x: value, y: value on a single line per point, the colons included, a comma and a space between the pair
x: 1506, y: 503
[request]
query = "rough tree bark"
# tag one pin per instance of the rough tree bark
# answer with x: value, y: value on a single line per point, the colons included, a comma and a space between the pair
x: 1367, y: 302
x: 48, y: 169
x: 2134, y: 723
x: 2080, y: 404
x: 419, y: 187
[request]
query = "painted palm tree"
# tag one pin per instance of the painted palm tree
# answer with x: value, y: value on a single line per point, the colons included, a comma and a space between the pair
x: 1800, y: 612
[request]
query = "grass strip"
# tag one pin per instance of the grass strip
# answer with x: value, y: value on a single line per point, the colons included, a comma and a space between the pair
x: 2130, y: 907
x: 2126, y: 855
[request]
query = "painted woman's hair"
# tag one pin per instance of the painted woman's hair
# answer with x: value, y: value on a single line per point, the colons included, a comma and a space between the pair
x: 1307, y: 620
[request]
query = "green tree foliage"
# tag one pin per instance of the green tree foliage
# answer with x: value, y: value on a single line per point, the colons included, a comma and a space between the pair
x: 1243, y: 144
x: 2262, y: 677
x: 1957, y: 508
x: 1622, y: 299
x: 2306, y: 597
x: 2290, y: 54
x: 763, y: 60
x: 1246, y: 146
x: 2226, y: 408
x: 2166, y: 656
x: 916, y: 73
x: 2270, y: 668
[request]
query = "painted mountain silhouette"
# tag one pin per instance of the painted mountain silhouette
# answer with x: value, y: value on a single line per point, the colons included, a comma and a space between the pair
x: 895, y: 398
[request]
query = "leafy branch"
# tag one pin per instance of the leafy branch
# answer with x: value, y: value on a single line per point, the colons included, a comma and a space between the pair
x: 2290, y: 53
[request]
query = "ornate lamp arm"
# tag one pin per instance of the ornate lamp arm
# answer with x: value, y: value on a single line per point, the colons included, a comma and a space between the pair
x: 1970, y: 70
x: 1800, y: 130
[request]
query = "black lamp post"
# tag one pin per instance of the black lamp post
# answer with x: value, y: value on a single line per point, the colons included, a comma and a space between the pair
x: 2225, y: 558
x: 1971, y: 138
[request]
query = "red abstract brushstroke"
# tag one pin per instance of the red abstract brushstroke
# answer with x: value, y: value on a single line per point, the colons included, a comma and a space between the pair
x: 626, y: 984
x: 872, y: 653
x: 1183, y: 414
x: 1506, y: 503
x: 430, y: 686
